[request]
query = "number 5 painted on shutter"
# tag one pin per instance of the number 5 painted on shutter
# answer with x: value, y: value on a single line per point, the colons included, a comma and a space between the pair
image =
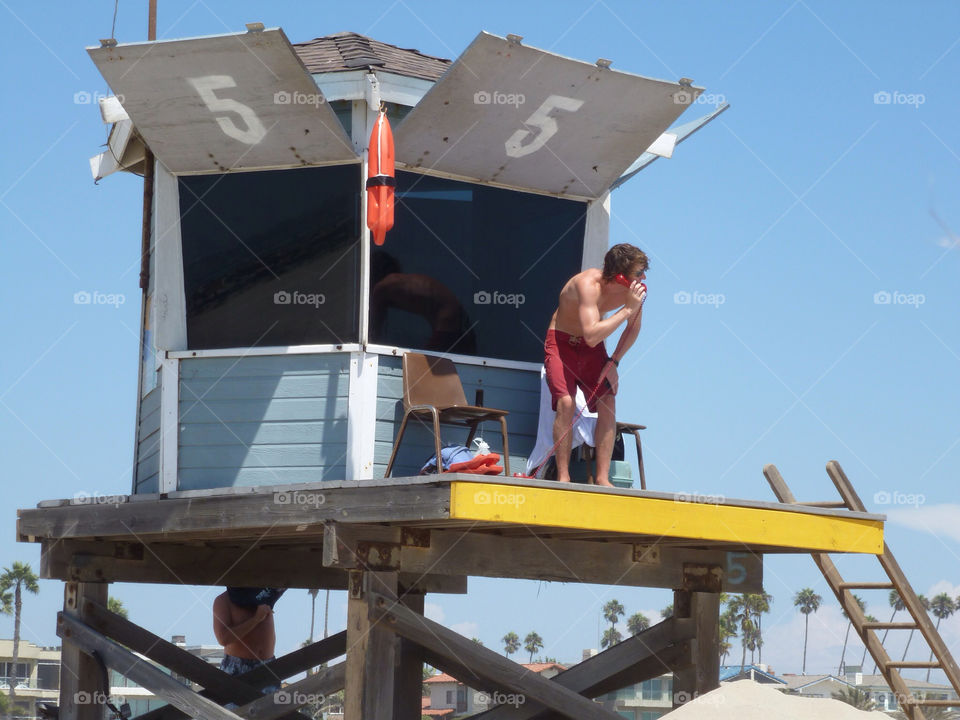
x: 540, y: 119
x: 205, y: 86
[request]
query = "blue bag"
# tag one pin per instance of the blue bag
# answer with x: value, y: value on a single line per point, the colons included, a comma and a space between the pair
x: 448, y: 456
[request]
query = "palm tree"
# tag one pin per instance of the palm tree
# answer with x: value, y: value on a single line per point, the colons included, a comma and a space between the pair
x: 926, y: 606
x: 863, y: 658
x: 855, y: 697
x: 511, y: 643
x: 20, y: 577
x: 742, y: 615
x: 116, y: 607
x: 727, y: 630
x: 808, y: 602
x: 637, y: 623
x: 942, y: 606
x: 611, y: 636
x: 531, y: 643
x: 897, y: 604
x: 612, y: 612
x: 667, y: 612
x: 313, y: 592
x: 759, y: 603
x: 846, y: 636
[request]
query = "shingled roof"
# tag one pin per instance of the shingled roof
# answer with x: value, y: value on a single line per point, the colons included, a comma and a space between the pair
x: 350, y: 51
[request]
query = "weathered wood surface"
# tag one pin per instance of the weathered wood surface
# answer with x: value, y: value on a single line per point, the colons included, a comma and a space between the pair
x: 313, y: 689
x: 662, y: 648
x: 456, y: 652
x: 79, y: 674
x: 141, y: 672
x: 293, y: 510
x: 488, y: 555
x: 253, y: 564
x: 371, y: 650
x: 693, y: 681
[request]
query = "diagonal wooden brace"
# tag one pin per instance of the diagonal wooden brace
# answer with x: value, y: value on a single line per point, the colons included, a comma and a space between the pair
x: 452, y: 651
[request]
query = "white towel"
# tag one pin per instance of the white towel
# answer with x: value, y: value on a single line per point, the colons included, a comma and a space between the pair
x: 582, y: 429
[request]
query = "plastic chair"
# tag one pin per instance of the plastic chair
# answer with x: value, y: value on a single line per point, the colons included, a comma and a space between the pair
x: 432, y: 389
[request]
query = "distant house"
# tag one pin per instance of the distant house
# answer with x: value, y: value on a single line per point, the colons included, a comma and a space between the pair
x: 874, y: 685
x: 37, y: 672
x: 762, y: 674
x: 449, y: 697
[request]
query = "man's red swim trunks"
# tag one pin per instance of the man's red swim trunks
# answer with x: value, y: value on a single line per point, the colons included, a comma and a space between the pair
x: 570, y: 362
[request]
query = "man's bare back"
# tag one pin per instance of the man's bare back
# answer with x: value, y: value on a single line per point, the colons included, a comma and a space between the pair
x: 244, y: 632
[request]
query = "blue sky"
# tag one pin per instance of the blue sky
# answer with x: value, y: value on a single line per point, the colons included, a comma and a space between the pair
x: 804, y: 208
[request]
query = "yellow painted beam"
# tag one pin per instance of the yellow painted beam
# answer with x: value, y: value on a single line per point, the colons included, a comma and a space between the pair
x: 669, y: 518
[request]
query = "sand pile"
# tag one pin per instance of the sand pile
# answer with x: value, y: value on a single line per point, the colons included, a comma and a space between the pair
x: 747, y: 700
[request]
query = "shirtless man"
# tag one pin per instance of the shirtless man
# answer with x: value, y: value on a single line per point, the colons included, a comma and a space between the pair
x: 575, y: 353
x: 245, y: 630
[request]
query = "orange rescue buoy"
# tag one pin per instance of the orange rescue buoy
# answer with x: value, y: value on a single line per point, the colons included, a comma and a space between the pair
x: 380, y: 179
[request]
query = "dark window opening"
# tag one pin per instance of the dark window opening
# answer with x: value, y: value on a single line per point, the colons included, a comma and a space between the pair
x: 472, y: 269
x: 271, y: 257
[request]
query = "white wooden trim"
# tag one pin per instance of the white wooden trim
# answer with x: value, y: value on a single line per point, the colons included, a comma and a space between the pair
x: 169, y: 424
x: 361, y: 415
x: 596, y: 238
x: 257, y: 351
x: 169, y: 301
x: 462, y: 359
x: 352, y: 85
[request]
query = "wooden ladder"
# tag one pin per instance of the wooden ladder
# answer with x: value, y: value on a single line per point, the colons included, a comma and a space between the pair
x: 890, y: 669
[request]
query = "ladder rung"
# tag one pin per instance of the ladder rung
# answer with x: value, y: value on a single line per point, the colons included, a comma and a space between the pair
x: 824, y: 504
x: 865, y: 586
x: 932, y: 703
x: 889, y: 626
x: 913, y: 664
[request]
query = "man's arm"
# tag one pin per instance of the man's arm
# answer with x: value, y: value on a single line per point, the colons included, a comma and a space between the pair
x: 629, y: 336
x: 595, y: 329
x: 226, y: 633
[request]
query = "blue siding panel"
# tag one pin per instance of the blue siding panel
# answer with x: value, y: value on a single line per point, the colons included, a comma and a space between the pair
x: 146, y: 478
x: 263, y: 420
x: 517, y: 391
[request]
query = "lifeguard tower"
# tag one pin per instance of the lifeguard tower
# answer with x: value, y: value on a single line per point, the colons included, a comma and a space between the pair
x: 272, y: 376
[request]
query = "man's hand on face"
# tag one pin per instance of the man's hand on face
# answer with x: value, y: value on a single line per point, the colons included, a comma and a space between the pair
x: 263, y: 611
x: 636, y: 295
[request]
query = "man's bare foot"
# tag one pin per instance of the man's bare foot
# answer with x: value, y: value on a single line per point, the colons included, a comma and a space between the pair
x: 566, y: 480
x: 605, y: 483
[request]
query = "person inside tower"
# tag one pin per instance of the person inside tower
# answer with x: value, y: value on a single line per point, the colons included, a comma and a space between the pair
x: 574, y: 351
x: 243, y: 624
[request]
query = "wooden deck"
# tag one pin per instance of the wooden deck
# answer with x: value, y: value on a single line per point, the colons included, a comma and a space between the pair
x: 435, y: 532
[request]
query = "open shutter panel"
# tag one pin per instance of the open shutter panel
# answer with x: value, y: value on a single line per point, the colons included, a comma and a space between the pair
x: 229, y: 102
x: 516, y: 116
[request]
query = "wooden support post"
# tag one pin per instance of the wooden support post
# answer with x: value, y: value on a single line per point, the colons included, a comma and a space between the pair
x: 371, y: 650
x: 703, y: 608
x: 81, y: 697
x: 408, y: 679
